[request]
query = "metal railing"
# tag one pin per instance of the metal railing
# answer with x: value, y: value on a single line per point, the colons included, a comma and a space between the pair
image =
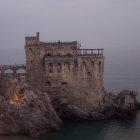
x: 12, y: 70
x: 11, y: 66
x: 12, y: 74
x: 90, y: 51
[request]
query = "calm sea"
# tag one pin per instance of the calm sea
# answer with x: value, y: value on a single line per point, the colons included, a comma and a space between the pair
x: 122, y: 71
x: 111, y: 129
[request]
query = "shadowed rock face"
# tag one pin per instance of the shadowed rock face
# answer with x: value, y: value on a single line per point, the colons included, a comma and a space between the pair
x: 78, y: 105
x: 24, y: 110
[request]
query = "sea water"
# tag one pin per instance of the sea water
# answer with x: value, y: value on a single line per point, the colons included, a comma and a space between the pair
x: 110, y: 129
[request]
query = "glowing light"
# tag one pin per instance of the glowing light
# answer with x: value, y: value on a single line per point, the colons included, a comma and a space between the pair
x: 17, y: 100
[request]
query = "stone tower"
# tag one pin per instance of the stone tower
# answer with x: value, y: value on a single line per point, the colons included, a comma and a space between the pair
x: 54, y: 65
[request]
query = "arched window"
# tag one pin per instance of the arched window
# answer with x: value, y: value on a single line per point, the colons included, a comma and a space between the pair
x: 64, y: 83
x: 93, y: 63
x: 100, y: 66
x: 84, y: 66
x: 100, y: 63
x: 58, y: 67
x: 31, y: 50
x: 49, y: 54
x: 50, y: 68
x: 48, y: 83
x: 68, y: 66
x: 68, y: 54
x: 75, y: 67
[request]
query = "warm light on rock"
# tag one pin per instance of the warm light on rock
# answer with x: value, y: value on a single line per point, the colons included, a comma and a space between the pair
x: 17, y: 100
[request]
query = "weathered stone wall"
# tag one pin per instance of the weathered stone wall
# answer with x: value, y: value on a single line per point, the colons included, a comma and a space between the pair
x: 81, y: 72
x: 57, y: 65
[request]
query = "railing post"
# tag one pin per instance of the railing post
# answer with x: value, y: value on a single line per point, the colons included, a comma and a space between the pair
x: 92, y: 52
x: 85, y: 51
x: 14, y: 72
x: 79, y: 52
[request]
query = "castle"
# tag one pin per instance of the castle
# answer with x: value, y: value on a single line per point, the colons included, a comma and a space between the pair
x: 59, y: 65
x: 63, y: 64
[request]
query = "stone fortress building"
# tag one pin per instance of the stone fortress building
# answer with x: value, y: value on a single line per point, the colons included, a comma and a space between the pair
x: 59, y: 67
x: 54, y: 65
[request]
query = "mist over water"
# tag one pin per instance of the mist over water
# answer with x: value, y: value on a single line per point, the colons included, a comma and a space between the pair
x: 122, y: 69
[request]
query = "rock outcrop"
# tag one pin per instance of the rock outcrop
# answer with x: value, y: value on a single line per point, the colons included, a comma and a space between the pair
x: 24, y: 110
x: 78, y: 105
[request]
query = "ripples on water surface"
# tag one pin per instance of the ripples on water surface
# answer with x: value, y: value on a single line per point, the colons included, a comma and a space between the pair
x: 111, y: 129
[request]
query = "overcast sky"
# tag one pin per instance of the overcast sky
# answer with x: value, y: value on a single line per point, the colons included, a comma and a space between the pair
x: 96, y: 23
x: 110, y: 24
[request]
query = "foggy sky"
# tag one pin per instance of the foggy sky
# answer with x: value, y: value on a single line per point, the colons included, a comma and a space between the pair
x: 96, y: 23
x: 110, y: 24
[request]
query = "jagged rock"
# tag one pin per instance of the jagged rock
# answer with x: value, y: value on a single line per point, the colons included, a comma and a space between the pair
x: 111, y: 105
x: 126, y: 103
x: 126, y: 99
x: 26, y: 110
x: 123, y: 104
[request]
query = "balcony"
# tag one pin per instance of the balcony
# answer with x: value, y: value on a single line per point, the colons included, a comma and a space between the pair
x: 90, y: 51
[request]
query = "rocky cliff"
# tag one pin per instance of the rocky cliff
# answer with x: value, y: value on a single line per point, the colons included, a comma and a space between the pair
x: 24, y: 110
x: 78, y: 105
